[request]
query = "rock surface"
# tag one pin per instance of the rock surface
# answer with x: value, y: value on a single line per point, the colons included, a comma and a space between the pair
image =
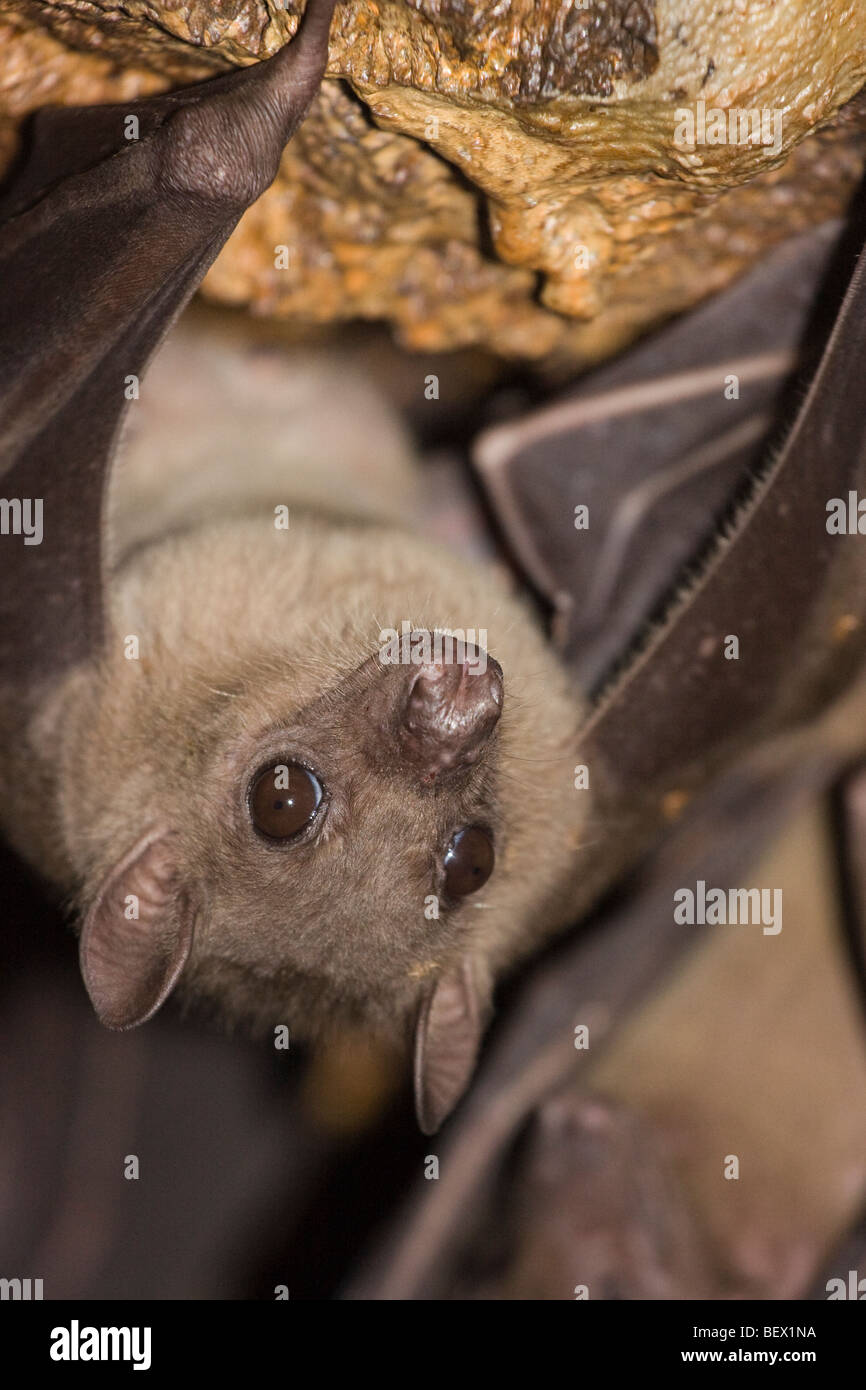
x: 507, y: 174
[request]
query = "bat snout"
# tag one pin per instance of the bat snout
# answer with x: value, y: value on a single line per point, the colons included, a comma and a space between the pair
x: 451, y: 708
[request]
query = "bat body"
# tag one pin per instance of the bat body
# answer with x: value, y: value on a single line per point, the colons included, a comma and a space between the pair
x: 255, y: 648
x: 245, y: 789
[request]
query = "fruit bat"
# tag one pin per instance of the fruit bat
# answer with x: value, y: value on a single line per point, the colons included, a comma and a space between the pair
x: 244, y: 791
x: 246, y: 796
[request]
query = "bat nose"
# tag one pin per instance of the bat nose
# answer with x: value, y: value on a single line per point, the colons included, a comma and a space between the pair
x: 451, y: 708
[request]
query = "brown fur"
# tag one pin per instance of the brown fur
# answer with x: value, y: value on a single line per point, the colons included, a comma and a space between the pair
x: 257, y: 642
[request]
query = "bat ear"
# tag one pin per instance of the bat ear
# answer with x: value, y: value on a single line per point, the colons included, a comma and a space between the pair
x: 137, y: 935
x: 448, y: 1035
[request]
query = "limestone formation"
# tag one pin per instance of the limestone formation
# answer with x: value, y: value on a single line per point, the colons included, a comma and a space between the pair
x: 502, y: 174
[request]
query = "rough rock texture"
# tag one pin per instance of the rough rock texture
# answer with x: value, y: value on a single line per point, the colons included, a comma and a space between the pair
x: 496, y: 173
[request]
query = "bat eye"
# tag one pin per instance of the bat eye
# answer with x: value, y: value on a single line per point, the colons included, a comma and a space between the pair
x: 468, y: 862
x: 283, y: 800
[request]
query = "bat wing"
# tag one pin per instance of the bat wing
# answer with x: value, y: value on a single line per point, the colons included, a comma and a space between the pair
x: 607, y: 494
x: 780, y: 579
x: 103, y: 239
x: 738, y: 611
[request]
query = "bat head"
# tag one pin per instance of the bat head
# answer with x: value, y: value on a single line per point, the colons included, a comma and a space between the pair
x: 304, y: 831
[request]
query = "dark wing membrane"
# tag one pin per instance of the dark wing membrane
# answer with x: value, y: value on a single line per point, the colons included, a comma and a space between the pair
x: 103, y: 239
x: 768, y: 629
x: 654, y: 447
x: 70, y: 378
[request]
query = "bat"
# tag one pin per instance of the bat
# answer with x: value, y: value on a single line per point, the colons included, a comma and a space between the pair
x: 244, y: 791
x: 247, y: 795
